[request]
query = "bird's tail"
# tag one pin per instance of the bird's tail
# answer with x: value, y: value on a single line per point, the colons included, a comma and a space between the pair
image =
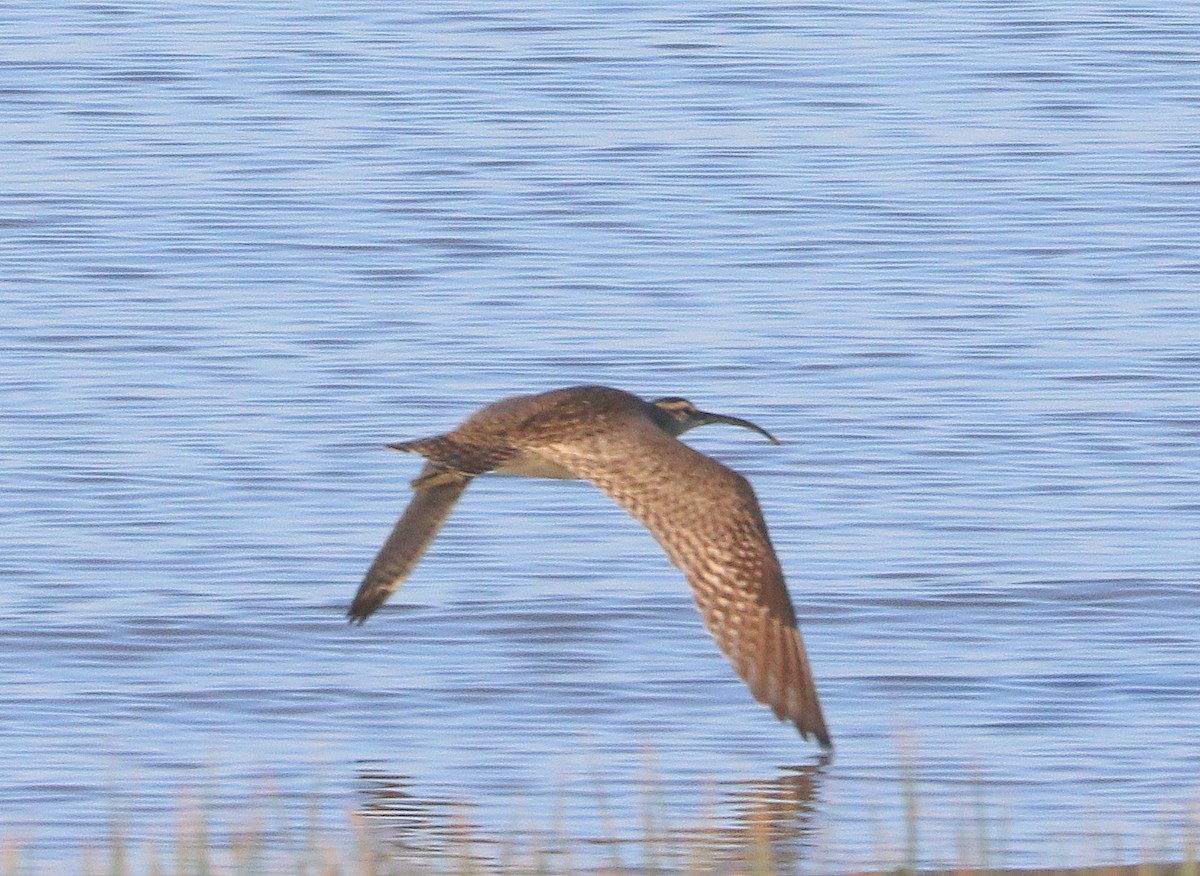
x: 451, y: 452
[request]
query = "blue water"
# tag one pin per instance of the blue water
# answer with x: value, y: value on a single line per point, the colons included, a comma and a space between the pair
x: 948, y: 253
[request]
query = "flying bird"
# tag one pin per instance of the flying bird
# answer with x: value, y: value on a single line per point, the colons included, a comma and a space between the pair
x: 705, y: 516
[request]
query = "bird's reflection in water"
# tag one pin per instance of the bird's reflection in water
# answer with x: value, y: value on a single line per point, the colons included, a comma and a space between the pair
x: 766, y: 817
x: 405, y: 823
x: 735, y: 823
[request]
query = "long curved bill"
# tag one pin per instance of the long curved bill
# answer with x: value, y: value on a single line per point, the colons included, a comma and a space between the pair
x: 737, y: 421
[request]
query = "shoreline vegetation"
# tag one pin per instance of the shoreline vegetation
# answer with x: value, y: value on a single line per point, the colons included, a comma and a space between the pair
x: 261, y: 841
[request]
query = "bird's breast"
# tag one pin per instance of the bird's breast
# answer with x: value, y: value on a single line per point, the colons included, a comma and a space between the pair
x: 530, y: 465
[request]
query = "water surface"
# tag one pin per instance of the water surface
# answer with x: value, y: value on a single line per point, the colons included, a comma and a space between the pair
x: 947, y: 254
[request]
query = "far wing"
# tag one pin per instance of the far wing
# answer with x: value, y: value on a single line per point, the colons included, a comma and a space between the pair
x: 708, y: 520
x: 436, y: 491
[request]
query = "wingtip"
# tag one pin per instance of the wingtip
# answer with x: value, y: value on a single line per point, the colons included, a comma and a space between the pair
x: 357, y: 614
x: 361, y: 609
x: 820, y: 735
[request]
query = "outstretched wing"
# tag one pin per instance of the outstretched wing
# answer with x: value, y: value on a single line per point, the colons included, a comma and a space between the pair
x: 436, y: 491
x: 708, y: 520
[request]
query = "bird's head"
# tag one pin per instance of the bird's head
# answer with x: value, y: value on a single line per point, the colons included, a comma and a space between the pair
x: 677, y: 415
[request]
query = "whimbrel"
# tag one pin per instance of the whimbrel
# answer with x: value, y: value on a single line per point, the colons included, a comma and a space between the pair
x: 703, y: 514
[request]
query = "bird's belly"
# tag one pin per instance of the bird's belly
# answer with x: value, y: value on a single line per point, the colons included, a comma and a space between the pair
x: 531, y: 465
